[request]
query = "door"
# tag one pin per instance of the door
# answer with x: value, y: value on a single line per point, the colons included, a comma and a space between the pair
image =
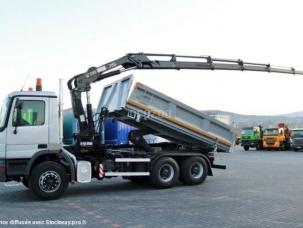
x: 32, y: 133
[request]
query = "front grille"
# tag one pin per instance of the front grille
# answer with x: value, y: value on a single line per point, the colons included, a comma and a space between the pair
x: 299, y: 141
x: 270, y: 142
x: 245, y: 137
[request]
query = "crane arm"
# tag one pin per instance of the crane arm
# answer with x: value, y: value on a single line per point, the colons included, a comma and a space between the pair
x: 145, y: 61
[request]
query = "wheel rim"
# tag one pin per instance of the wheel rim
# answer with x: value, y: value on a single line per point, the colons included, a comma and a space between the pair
x: 49, y: 181
x: 196, y: 170
x: 167, y: 173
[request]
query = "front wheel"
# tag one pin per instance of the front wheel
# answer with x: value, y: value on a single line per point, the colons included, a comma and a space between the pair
x: 257, y: 147
x: 246, y: 148
x: 194, y: 171
x: 25, y: 182
x: 283, y: 146
x: 48, y: 180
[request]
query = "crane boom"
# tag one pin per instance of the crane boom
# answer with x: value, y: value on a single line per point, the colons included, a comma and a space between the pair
x: 146, y: 61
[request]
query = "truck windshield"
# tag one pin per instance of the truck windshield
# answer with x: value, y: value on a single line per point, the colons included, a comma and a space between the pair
x: 246, y: 131
x: 297, y: 134
x: 3, y: 112
x: 271, y: 131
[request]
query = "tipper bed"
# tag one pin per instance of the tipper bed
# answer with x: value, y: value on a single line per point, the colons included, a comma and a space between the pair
x: 145, y: 108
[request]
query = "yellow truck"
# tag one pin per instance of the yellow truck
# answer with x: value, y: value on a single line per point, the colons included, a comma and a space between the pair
x: 277, y: 138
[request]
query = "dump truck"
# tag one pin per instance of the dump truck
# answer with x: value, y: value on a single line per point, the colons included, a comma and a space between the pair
x: 296, y: 139
x: 277, y: 138
x: 251, y: 137
x: 31, y: 122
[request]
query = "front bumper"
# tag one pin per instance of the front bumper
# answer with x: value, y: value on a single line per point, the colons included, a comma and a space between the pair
x: 249, y: 143
x: 297, y: 146
x: 271, y: 144
x: 2, y: 171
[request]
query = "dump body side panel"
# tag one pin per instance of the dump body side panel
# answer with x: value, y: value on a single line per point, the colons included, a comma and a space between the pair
x: 147, y: 108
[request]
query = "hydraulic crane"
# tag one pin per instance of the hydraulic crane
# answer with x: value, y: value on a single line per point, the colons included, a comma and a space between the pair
x: 36, y: 156
x: 146, y: 61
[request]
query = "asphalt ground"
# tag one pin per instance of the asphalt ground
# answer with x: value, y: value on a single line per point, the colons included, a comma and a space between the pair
x: 258, y: 189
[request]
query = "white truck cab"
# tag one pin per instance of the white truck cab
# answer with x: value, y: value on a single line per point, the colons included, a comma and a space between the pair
x: 29, y: 123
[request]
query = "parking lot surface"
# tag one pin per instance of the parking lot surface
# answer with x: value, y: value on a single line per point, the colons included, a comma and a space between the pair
x: 258, y: 189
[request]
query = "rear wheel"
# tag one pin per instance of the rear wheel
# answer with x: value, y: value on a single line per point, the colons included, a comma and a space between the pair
x: 246, y: 148
x: 48, y: 180
x: 165, y: 173
x: 194, y: 171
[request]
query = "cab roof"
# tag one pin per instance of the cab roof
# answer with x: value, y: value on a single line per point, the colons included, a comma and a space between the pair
x: 297, y: 129
x: 33, y: 93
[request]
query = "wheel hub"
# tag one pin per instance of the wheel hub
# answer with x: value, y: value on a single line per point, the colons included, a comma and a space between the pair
x: 197, y: 170
x: 167, y: 173
x: 49, y: 181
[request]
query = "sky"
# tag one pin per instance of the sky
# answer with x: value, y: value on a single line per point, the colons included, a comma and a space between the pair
x: 59, y: 39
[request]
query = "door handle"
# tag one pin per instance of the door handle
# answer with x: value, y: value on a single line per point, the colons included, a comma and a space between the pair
x: 42, y: 146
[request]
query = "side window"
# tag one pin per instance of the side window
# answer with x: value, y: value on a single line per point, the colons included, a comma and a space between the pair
x: 32, y: 113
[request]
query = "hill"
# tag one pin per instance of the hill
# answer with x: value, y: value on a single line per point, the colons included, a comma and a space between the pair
x: 240, y: 120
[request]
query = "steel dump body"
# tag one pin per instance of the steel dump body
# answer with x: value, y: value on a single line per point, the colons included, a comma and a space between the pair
x: 146, y: 108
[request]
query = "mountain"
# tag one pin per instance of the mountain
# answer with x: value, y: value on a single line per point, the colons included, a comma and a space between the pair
x: 240, y: 120
x: 294, y: 114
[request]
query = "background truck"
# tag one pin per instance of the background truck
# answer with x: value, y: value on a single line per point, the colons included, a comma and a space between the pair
x: 277, y: 138
x: 252, y: 137
x: 297, y: 139
x: 31, y: 148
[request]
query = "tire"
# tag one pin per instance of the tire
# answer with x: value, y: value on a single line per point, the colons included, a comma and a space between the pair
x: 137, y: 180
x: 56, y: 176
x: 288, y: 147
x: 165, y: 173
x: 257, y: 147
x: 260, y: 145
x: 246, y: 148
x: 194, y: 171
x: 25, y: 182
x: 283, y: 146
